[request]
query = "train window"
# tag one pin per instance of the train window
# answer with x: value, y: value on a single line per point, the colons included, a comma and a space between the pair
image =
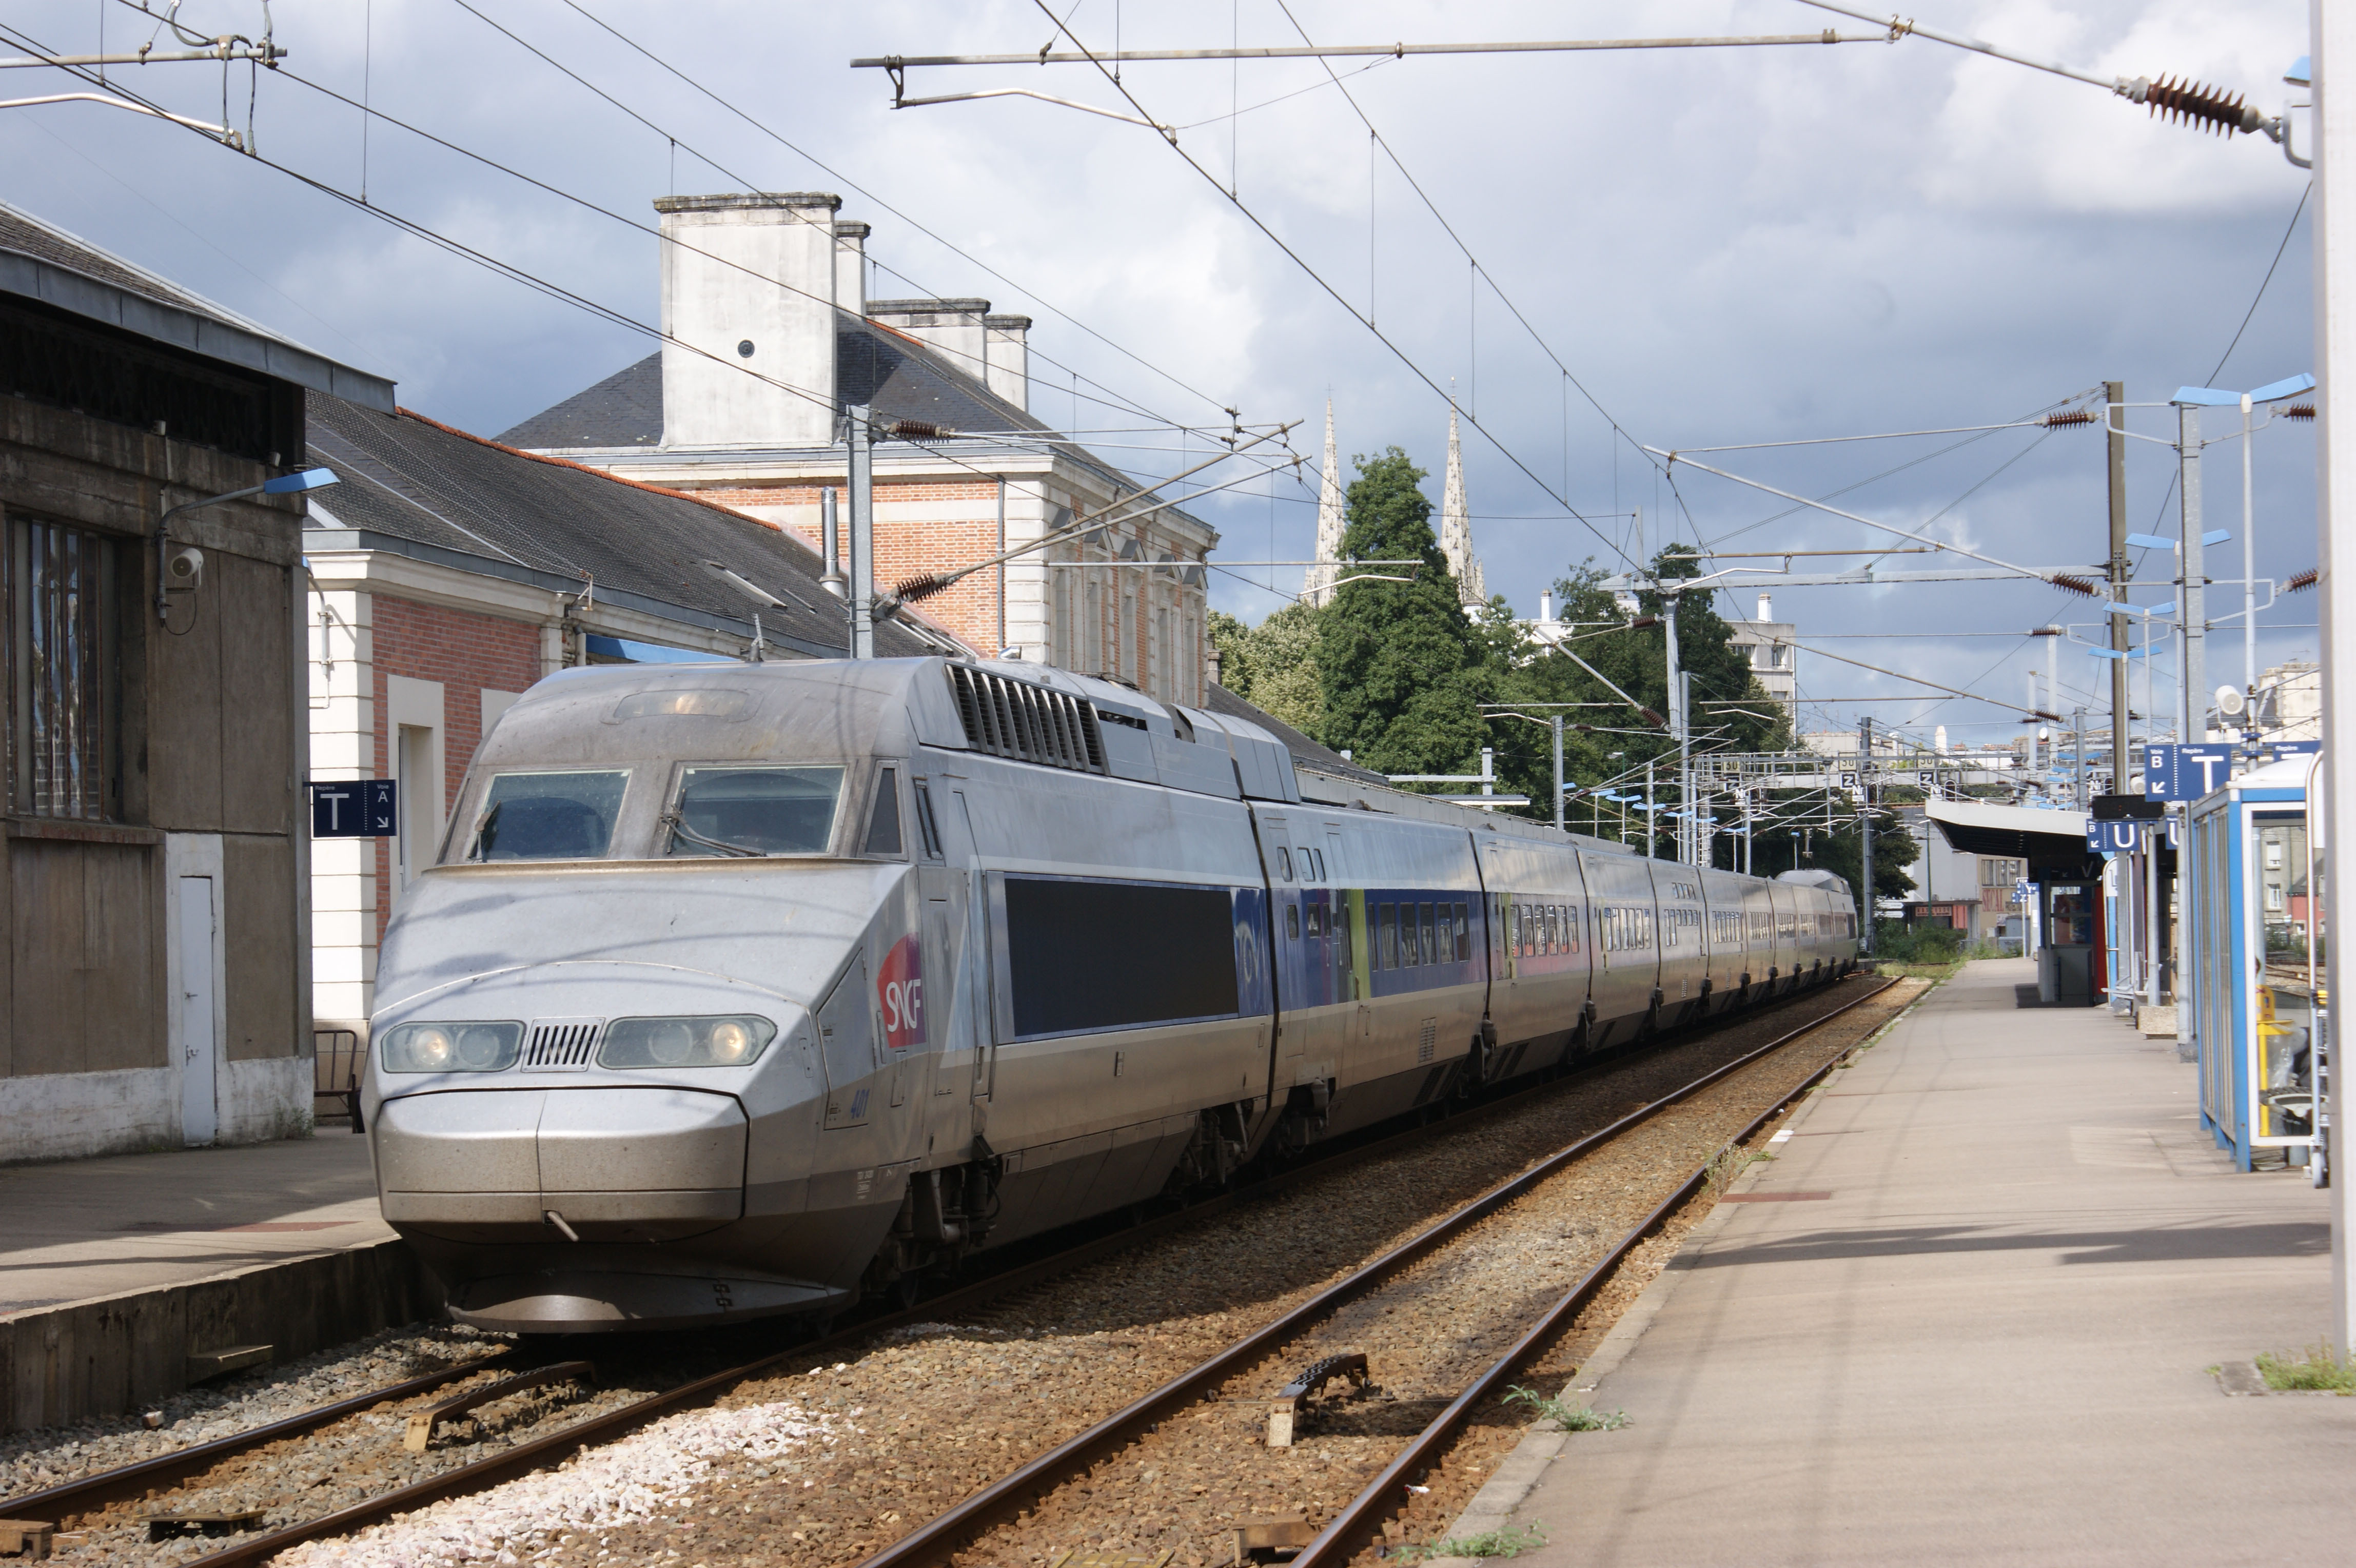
x: 1446, y: 950
x: 1292, y: 921
x: 1463, y: 933
x: 1319, y: 856
x: 1071, y: 954
x: 1431, y: 938
x: 756, y: 810
x: 883, y: 823
x: 1387, y: 950
x: 549, y: 816
x: 1284, y: 862
x: 925, y: 825
x: 1546, y: 928
x: 1570, y: 917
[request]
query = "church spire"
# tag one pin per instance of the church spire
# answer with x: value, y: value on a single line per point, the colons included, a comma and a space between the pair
x: 1317, y: 585
x: 1456, y: 523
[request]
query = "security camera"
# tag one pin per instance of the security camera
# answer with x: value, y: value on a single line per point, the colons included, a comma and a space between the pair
x: 183, y: 570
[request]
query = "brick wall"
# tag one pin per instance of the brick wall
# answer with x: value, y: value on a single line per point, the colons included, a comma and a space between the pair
x: 465, y: 652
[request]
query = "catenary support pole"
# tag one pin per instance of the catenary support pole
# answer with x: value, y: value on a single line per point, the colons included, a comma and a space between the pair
x: 2121, y: 703
x: 2195, y: 600
x: 2249, y: 603
x: 1865, y: 826
x: 1652, y: 816
x: 2332, y: 33
x: 1555, y: 723
x: 862, y: 535
x: 1676, y: 706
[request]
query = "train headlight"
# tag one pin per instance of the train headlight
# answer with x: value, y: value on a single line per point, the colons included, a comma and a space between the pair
x: 730, y: 1041
x: 450, y: 1047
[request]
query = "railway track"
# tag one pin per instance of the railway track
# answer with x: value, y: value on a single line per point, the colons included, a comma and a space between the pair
x: 150, y: 1481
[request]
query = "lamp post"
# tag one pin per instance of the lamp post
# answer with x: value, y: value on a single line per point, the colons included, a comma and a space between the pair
x: 2190, y: 399
x: 285, y: 484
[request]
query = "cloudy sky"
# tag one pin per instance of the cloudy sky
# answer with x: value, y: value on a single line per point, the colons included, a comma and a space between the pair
x: 1674, y: 248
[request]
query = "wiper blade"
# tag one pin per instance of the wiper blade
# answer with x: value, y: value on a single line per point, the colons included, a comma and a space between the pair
x: 672, y: 820
x: 484, y: 830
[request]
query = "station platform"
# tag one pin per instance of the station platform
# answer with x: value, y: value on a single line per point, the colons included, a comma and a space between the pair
x: 80, y: 1229
x: 125, y: 1279
x: 1969, y: 1314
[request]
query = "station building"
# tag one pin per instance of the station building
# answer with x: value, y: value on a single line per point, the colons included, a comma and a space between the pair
x: 776, y: 284
x: 448, y: 572
x: 154, y: 956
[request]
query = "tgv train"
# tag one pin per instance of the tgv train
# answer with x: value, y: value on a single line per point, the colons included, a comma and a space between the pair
x: 743, y: 989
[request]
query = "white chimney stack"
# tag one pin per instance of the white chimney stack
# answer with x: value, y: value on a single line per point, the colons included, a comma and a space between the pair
x: 851, y: 267
x: 1766, y: 607
x: 950, y: 327
x: 1546, y: 605
x: 1008, y: 355
x: 725, y: 312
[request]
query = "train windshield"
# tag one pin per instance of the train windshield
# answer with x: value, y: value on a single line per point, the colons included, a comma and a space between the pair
x: 549, y: 816
x: 755, y: 811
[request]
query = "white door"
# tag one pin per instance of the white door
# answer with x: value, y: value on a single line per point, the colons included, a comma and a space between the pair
x: 199, y: 1118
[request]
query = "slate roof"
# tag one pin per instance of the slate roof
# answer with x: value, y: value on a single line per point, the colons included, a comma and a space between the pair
x: 42, y: 262
x: 889, y: 371
x: 416, y: 481
x: 1305, y: 751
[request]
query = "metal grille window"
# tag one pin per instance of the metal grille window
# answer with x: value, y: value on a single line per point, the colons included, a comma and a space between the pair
x: 63, y: 626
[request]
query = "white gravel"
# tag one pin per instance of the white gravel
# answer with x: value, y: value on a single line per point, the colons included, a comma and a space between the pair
x: 30, y: 1461
x: 622, y: 1483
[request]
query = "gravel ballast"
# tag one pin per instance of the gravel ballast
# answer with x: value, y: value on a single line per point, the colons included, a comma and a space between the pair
x: 885, y: 1437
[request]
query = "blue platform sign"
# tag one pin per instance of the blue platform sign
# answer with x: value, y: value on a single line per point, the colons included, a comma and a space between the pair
x: 2185, y: 772
x: 354, y: 809
x: 2128, y: 837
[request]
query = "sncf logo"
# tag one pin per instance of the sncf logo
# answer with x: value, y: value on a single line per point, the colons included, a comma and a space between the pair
x: 900, y: 988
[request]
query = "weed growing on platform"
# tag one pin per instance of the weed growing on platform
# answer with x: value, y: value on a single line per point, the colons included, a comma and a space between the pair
x: 1731, y: 1163
x: 1570, y: 1418
x: 1488, y: 1543
x: 2313, y: 1368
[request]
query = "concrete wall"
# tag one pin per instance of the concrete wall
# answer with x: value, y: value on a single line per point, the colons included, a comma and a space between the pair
x: 125, y: 1352
x: 207, y: 749
x: 757, y: 270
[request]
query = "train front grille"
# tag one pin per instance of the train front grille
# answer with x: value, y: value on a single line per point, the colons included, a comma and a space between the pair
x: 560, y: 1044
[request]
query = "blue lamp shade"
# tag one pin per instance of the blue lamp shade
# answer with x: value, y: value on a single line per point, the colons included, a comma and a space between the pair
x: 308, y: 479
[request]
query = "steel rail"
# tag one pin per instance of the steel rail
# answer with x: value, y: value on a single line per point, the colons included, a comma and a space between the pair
x: 1347, y: 1530
x: 128, y: 1483
x: 937, y: 1539
x: 551, y: 1447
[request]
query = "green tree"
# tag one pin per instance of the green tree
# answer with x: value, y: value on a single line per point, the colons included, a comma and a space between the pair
x: 1629, y: 652
x: 1273, y: 665
x: 1402, y: 669
x: 1795, y: 844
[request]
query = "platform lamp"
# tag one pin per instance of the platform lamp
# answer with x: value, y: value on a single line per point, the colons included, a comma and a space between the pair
x: 2212, y: 397
x: 189, y: 565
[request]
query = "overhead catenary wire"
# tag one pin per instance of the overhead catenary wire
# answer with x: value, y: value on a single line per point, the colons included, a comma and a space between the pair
x: 1364, y: 318
x: 1115, y: 399
x: 885, y: 205
x: 516, y: 273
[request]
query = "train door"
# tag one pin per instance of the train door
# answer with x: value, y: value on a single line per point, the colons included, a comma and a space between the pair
x: 945, y: 996
x: 847, y: 1044
x: 1285, y: 960
x: 978, y: 1041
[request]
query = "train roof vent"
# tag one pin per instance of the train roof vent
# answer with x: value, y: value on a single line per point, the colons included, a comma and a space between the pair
x: 1030, y: 724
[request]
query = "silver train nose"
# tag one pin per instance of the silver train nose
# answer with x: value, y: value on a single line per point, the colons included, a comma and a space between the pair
x: 623, y: 1164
